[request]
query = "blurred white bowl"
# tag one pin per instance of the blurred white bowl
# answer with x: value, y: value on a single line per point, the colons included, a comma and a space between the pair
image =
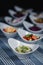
x: 33, y: 13
x: 12, y: 13
x: 22, y: 33
x: 33, y: 20
x: 15, y: 22
x: 27, y: 25
x: 17, y: 8
x: 17, y: 43
x: 8, y: 35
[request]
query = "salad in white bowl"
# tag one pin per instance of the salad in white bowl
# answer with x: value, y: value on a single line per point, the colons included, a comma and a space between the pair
x: 28, y: 36
x: 22, y: 48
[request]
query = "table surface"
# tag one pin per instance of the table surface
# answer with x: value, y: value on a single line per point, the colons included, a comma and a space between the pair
x: 8, y: 57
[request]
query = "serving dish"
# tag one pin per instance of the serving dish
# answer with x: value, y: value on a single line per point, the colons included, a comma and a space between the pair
x: 8, y: 30
x: 17, y: 8
x: 15, y: 14
x: 13, y: 43
x: 12, y: 13
x: 13, y: 21
x: 32, y: 28
x: 23, y: 33
x: 34, y: 18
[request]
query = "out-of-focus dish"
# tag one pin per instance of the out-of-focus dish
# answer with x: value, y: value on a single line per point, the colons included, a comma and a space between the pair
x: 12, y: 13
x: 17, y: 14
x: 21, y: 10
x: 17, y: 8
x: 36, y: 14
x: 37, y: 20
x: 28, y: 36
x: 8, y: 31
x: 33, y: 13
x: 32, y: 28
x: 14, y: 22
x: 22, y: 48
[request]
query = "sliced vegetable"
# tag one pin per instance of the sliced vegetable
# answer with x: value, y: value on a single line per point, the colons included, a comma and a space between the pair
x: 31, y: 37
x: 23, y: 49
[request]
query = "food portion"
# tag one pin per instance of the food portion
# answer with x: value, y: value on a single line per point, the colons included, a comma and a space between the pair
x: 30, y: 37
x: 39, y: 20
x: 23, y: 49
x: 19, y: 14
x: 17, y: 20
x: 9, y: 29
x: 35, y: 28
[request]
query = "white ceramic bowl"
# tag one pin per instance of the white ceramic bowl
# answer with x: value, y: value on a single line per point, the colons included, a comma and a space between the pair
x: 17, y: 43
x: 17, y: 8
x: 27, y: 25
x: 15, y: 22
x: 22, y: 33
x: 8, y: 19
x: 33, y: 20
x: 12, y: 13
x: 8, y: 35
x: 33, y: 13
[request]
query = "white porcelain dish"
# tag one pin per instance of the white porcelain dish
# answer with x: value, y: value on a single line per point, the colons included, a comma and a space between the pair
x: 22, y: 33
x: 36, y: 14
x: 41, y: 14
x: 27, y: 25
x: 8, y: 19
x: 33, y: 20
x: 12, y: 13
x: 33, y: 13
x: 17, y: 8
x: 8, y: 35
x: 30, y: 10
x: 15, y: 22
x: 13, y: 43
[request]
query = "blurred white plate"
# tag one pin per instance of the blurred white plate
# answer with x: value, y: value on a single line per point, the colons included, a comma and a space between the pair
x: 30, y: 10
x: 41, y: 14
x: 12, y: 13
x: 33, y: 13
x: 3, y: 25
x: 36, y: 14
x: 17, y: 43
x: 27, y: 25
x: 17, y: 8
x: 33, y: 18
x: 22, y: 33
x: 15, y: 22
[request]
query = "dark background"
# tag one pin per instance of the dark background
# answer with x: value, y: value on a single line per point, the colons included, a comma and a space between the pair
x: 9, y: 4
